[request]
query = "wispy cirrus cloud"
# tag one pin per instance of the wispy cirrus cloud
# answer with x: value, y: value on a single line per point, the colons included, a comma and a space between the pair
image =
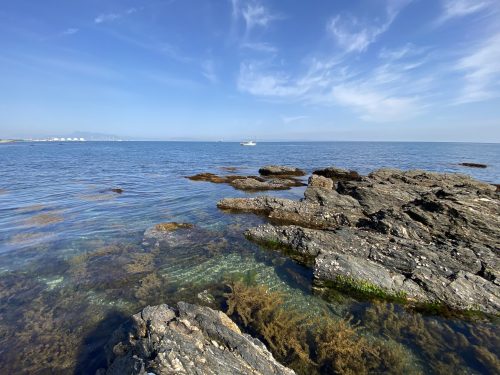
x: 481, y: 69
x: 208, y: 70
x: 69, y: 31
x: 407, y: 51
x: 355, y: 35
x: 109, y: 17
x: 253, y: 14
x: 290, y: 119
x: 260, y: 47
x: 256, y: 15
x: 376, y: 105
x: 460, y: 8
x: 392, y: 90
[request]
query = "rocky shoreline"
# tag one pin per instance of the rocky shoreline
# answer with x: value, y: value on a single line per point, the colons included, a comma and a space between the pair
x: 413, y: 236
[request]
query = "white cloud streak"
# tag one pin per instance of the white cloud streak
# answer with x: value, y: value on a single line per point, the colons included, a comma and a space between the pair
x: 290, y: 119
x: 107, y: 17
x: 254, y: 15
x: 208, y: 70
x: 388, y: 92
x: 260, y: 47
x: 481, y: 68
x: 70, y: 31
x: 110, y: 17
x: 461, y: 8
x: 355, y: 35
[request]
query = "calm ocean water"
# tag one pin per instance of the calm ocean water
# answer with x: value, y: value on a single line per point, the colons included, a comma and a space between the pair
x: 72, y: 266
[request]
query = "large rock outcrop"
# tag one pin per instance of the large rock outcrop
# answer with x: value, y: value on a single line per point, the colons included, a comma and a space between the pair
x: 189, y: 339
x: 415, y: 235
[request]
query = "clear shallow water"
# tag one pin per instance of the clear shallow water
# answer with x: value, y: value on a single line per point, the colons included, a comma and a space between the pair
x: 72, y: 263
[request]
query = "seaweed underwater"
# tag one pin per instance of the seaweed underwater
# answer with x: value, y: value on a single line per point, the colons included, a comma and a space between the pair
x: 58, y: 314
x: 312, y: 344
x: 376, y: 336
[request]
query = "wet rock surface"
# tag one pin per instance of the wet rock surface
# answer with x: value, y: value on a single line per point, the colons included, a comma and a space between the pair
x: 279, y: 170
x: 337, y: 174
x: 415, y: 235
x: 216, y: 179
x: 252, y: 184
x: 189, y: 339
x: 273, y: 178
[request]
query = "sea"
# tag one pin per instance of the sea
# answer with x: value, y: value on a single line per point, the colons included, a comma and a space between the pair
x: 73, y: 264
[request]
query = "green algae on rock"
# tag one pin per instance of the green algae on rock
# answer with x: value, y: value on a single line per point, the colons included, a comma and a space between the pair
x: 171, y: 226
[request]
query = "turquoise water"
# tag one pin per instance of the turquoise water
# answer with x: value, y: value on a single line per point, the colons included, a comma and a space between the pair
x: 73, y: 266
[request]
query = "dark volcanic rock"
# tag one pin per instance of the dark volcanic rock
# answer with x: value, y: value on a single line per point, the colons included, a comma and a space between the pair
x: 210, y: 177
x: 252, y: 184
x: 474, y: 165
x: 337, y: 174
x: 284, y: 210
x: 278, y: 170
x: 424, y: 236
x: 188, y: 340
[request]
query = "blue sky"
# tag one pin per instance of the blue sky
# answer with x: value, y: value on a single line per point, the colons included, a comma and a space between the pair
x: 259, y: 69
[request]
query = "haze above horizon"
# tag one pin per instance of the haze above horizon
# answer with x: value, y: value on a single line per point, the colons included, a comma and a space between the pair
x: 405, y: 70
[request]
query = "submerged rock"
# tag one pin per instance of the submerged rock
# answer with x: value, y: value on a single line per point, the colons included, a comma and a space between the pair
x: 187, y: 340
x: 415, y: 235
x: 170, y: 226
x: 279, y: 170
x: 44, y: 219
x: 165, y: 232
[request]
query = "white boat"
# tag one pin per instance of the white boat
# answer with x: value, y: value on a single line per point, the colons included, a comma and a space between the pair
x: 249, y: 143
